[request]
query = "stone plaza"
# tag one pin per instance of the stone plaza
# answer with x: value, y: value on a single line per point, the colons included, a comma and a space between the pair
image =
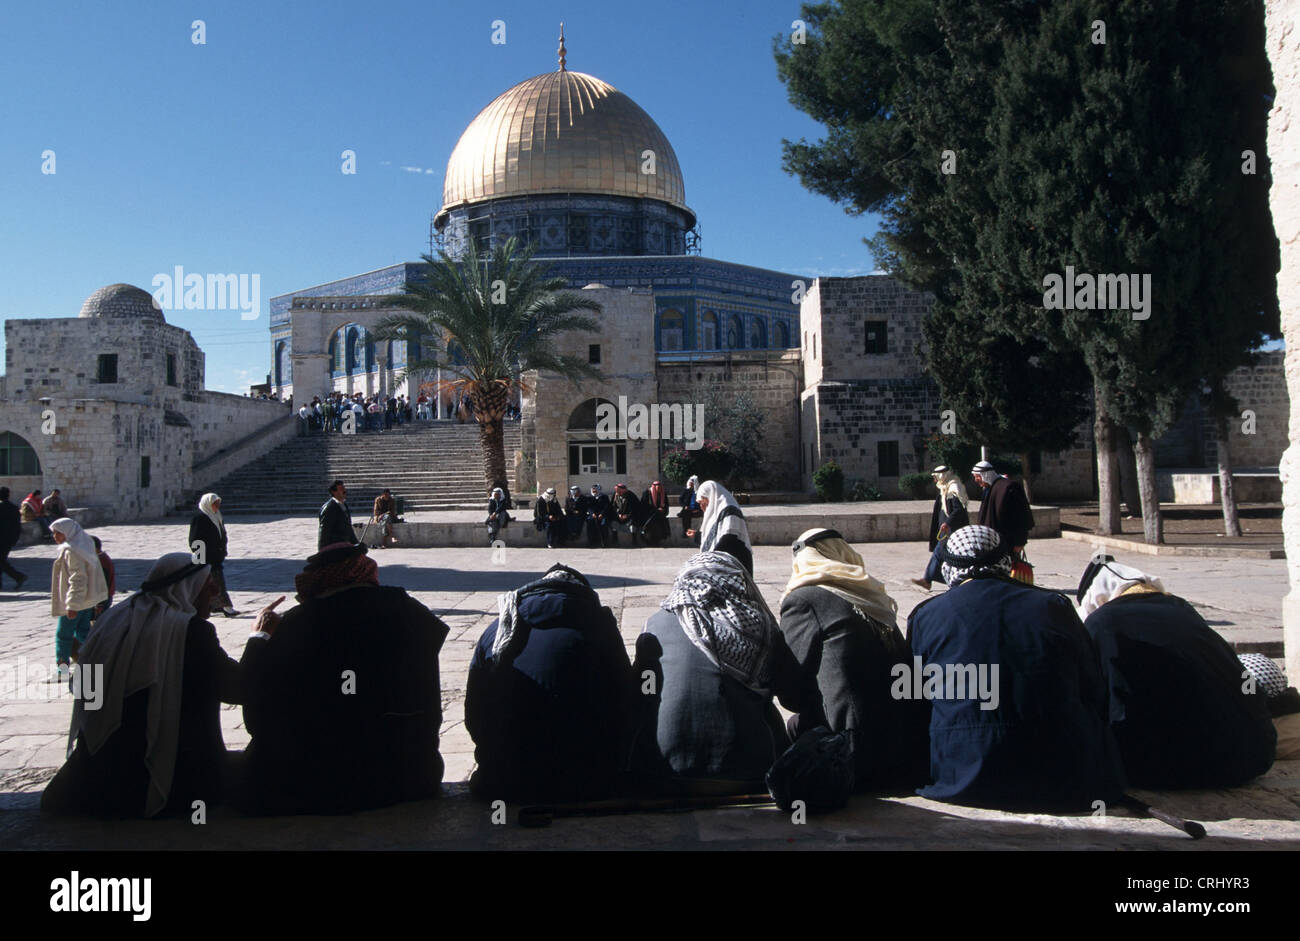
x: 1239, y: 597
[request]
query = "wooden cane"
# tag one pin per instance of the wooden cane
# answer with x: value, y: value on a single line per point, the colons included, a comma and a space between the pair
x: 1193, y: 829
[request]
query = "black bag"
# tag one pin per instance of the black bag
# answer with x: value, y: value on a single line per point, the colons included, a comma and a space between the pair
x: 817, y: 769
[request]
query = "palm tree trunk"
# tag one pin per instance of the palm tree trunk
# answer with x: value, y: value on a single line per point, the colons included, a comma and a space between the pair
x: 1107, y: 472
x: 489, y: 399
x: 1152, y: 524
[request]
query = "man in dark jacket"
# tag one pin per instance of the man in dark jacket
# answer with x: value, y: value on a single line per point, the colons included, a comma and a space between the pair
x: 343, y: 702
x: 1179, y: 705
x: 597, y: 518
x: 1003, y: 506
x: 575, y: 511
x: 1017, y: 700
x: 335, y: 518
x: 625, y: 514
x: 549, y: 694
x: 10, y: 528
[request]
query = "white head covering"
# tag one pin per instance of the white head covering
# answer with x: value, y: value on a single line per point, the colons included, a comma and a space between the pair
x: 141, y: 645
x: 949, y: 484
x: 79, y: 544
x: 984, y: 471
x: 714, y: 525
x: 210, y: 511
x: 549, y: 494
x: 693, y: 482
x: 1112, y: 580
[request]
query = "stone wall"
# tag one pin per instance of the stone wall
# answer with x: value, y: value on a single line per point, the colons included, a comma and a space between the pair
x: 220, y: 419
x: 773, y: 384
x: 1282, y: 20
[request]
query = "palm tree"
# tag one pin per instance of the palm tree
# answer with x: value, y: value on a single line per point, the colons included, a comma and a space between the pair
x: 502, y: 315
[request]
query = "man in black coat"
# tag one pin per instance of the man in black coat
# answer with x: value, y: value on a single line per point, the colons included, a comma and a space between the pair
x: 343, y: 701
x: 625, y: 514
x: 335, y: 518
x: 575, y: 511
x: 1003, y: 506
x: 597, y: 518
x: 10, y: 528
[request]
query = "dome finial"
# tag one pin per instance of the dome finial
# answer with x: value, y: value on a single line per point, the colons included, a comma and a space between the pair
x: 562, y: 51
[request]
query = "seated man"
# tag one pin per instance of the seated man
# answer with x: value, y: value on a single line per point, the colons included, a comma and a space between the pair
x: 548, y: 694
x: 54, y: 506
x: 343, y: 702
x: 715, y: 654
x: 382, y: 516
x: 146, y: 724
x: 1180, y: 706
x: 1017, y: 701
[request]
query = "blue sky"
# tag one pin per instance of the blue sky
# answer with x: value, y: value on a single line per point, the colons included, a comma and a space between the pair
x: 225, y: 157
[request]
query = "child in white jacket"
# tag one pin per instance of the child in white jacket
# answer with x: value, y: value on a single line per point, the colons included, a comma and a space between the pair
x: 77, y: 585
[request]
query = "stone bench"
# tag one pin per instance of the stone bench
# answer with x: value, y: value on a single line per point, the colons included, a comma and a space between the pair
x: 88, y: 516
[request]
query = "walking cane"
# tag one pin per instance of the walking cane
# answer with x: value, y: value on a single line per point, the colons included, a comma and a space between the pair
x: 1190, y: 827
x: 542, y: 815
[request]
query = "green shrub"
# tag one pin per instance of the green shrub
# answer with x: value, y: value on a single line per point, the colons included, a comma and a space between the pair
x: 829, y: 482
x: 864, y: 491
x: 916, y: 486
x: 713, y: 460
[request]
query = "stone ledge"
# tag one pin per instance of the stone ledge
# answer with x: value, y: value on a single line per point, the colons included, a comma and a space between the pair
x: 1200, y: 552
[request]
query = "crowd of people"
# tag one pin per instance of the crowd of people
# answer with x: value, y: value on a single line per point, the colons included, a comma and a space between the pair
x: 999, y: 694
x: 600, y: 518
x: 369, y: 413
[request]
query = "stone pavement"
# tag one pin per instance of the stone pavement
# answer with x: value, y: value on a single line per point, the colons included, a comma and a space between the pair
x: 1239, y: 597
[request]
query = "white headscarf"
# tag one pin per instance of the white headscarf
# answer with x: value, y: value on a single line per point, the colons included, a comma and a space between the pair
x: 714, y: 525
x: 834, y: 565
x: 79, y: 544
x: 1113, y: 579
x: 549, y: 495
x: 950, y: 485
x: 141, y: 645
x: 693, y: 483
x: 210, y: 511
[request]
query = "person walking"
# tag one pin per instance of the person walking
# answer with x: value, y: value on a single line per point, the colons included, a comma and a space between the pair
x: 11, y: 528
x: 948, y: 516
x: 209, y: 546
x: 77, y: 584
x: 1005, y: 509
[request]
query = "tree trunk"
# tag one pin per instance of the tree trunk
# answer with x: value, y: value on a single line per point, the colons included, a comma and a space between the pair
x: 1129, y: 489
x: 1103, y: 431
x: 1026, y: 477
x: 1227, y: 493
x: 1152, y: 524
x: 489, y: 401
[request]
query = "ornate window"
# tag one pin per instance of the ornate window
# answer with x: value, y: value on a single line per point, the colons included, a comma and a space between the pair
x: 758, y: 334
x: 670, y: 330
x: 709, y: 331
x: 783, y: 334
x: 735, y: 334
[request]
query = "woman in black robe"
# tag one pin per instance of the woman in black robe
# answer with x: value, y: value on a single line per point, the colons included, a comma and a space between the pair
x: 146, y: 729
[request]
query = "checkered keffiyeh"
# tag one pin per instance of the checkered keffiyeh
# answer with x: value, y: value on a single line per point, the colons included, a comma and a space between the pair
x: 724, y: 615
x: 963, y: 551
x: 1266, y: 673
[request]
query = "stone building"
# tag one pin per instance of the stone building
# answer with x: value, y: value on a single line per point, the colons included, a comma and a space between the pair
x: 109, y: 406
x: 572, y: 166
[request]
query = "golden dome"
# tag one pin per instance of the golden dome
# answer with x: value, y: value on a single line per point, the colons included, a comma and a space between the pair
x: 561, y: 132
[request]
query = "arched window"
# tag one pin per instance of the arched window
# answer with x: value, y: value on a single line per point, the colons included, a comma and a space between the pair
x: 17, y: 457
x: 336, y: 365
x: 354, y: 335
x: 282, y: 365
x: 783, y: 334
x: 595, y: 452
x: 735, y: 334
x: 758, y: 334
x: 370, y: 355
x: 709, y: 331
x: 670, y: 330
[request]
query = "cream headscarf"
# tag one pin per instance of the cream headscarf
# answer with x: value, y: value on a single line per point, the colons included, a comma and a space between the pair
x: 141, y: 645
x: 79, y: 543
x: 1111, y: 581
x: 211, y: 512
x: 950, y: 485
x: 714, y: 525
x: 834, y: 565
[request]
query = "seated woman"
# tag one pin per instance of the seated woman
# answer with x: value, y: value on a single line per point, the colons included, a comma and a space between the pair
x: 842, y: 628
x: 548, y: 695
x: 146, y: 728
x: 707, y: 666
x: 498, y: 518
x: 548, y: 518
x: 1178, y: 705
x: 1017, y: 702
x: 723, y: 528
x: 343, y: 701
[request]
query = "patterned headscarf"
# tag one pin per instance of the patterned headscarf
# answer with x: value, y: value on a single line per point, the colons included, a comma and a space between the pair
x: 1265, y: 672
x: 971, y: 550
x: 337, y: 566
x: 723, y: 613
x: 509, y: 634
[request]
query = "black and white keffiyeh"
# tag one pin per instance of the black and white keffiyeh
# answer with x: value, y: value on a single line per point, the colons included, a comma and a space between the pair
x: 971, y: 550
x: 1270, y: 679
x: 508, y: 608
x: 724, y: 615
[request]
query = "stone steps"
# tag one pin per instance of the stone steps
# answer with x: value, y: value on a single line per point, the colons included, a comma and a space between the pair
x: 430, y: 465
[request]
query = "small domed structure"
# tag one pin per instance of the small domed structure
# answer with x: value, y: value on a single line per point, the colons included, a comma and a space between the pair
x: 120, y: 301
